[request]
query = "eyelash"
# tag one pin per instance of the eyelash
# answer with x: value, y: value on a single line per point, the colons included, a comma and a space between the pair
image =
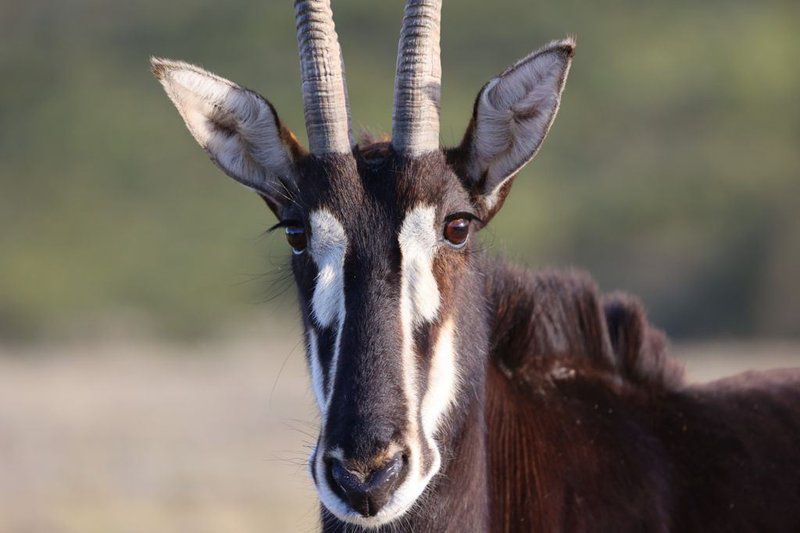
x: 285, y: 224
x: 463, y: 214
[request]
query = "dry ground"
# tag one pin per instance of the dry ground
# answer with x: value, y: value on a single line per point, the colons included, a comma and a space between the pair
x: 136, y: 437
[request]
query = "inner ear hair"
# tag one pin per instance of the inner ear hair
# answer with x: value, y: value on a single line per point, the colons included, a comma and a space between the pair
x: 511, y: 117
x: 237, y: 127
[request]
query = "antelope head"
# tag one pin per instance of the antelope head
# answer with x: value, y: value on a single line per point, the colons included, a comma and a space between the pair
x: 381, y: 240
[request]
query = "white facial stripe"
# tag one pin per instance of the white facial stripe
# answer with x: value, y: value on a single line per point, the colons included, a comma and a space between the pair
x: 442, y: 381
x: 317, y: 380
x: 418, y: 241
x: 328, y: 247
x: 442, y: 385
x: 419, y: 303
x: 335, y: 358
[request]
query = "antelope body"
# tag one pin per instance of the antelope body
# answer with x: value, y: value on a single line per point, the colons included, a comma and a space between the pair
x: 456, y: 392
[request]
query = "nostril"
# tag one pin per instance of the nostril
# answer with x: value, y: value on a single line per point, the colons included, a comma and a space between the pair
x: 387, y: 474
x: 367, y: 493
x: 350, y: 486
x: 348, y: 481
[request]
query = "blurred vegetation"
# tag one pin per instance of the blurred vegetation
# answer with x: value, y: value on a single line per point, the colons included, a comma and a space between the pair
x: 673, y: 170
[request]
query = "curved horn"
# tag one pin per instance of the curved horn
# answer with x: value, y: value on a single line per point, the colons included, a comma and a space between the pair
x: 417, y: 86
x: 324, y: 90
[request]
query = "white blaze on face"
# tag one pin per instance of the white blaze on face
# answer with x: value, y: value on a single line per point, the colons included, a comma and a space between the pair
x: 327, y: 247
x: 317, y: 381
x: 418, y: 242
x: 420, y: 302
x: 442, y: 381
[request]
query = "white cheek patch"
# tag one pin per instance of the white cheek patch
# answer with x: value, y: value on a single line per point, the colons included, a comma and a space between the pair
x: 328, y: 247
x: 442, y: 381
x: 418, y: 242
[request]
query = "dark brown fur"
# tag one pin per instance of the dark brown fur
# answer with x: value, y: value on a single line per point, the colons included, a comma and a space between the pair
x: 580, y: 421
x: 590, y: 426
x: 568, y: 414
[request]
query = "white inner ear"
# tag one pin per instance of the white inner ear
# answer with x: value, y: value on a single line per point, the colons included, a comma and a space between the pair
x: 514, y: 114
x: 234, y: 125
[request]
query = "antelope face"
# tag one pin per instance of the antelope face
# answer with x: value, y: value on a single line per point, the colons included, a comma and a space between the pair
x: 381, y: 241
x: 381, y: 255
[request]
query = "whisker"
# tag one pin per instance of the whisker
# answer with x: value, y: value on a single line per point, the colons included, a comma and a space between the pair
x: 280, y: 372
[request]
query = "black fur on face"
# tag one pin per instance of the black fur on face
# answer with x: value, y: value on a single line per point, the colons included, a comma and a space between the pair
x: 392, y: 292
x: 386, y: 300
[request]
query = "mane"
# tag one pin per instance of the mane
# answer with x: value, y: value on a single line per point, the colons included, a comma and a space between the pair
x: 558, y: 322
x: 640, y: 350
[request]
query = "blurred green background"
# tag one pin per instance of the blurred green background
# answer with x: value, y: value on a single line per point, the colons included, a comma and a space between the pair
x: 672, y: 171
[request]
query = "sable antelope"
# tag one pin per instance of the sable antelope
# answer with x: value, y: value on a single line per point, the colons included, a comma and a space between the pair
x: 456, y: 392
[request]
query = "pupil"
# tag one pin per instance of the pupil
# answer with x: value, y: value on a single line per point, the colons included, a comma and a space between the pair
x: 296, y: 237
x: 457, y: 231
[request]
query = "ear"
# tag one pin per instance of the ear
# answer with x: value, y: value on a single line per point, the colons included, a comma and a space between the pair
x: 512, y: 115
x: 237, y: 127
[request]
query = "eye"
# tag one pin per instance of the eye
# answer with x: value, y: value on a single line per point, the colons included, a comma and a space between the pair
x: 296, y: 237
x: 456, y: 232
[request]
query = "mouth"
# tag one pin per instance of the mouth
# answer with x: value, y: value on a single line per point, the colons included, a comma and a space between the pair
x: 409, y: 484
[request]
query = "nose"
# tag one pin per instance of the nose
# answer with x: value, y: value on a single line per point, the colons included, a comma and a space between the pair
x: 367, y: 492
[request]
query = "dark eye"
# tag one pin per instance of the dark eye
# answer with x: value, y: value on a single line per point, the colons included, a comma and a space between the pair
x: 456, y: 232
x: 296, y: 237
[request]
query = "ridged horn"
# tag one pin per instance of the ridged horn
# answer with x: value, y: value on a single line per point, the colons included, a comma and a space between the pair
x: 417, y: 85
x: 325, y: 103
